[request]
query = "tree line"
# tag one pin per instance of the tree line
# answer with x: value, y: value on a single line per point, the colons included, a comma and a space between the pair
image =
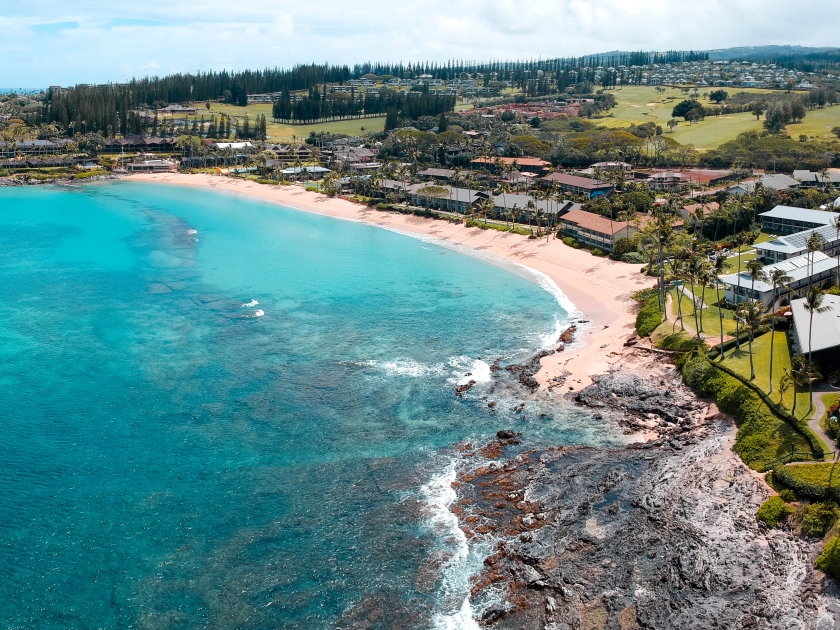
x: 318, y: 106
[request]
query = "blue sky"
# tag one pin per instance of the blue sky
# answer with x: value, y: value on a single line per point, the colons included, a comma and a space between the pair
x: 90, y: 41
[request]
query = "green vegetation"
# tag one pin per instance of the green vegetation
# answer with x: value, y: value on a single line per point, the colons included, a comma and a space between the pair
x: 634, y: 258
x: 711, y: 313
x: 738, y: 361
x: 571, y: 242
x: 811, y: 481
x: 773, y: 511
x: 829, y: 560
x: 818, y: 518
x: 762, y: 435
x: 651, y: 315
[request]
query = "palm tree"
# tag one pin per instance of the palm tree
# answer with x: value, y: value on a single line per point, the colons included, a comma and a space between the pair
x: 801, y: 373
x: 751, y: 314
x: 778, y: 278
x: 718, y: 266
x: 487, y: 207
x: 785, y: 383
x: 706, y: 277
x: 740, y: 240
x: 814, y: 243
x: 813, y: 304
x: 694, y: 269
x: 836, y: 224
x: 504, y: 188
x: 679, y: 271
x: 530, y: 208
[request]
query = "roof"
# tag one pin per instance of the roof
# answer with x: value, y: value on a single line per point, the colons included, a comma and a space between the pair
x: 824, y: 329
x: 776, y: 182
x: 575, y: 180
x: 705, y: 207
x: 794, y: 243
x: 798, y: 268
x: 305, y: 169
x: 437, y: 172
x: 818, y: 217
x: 548, y: 206
x: 595, y: 222
x: 521, y: 161
x: 464, y: 195
x: 233, y: 145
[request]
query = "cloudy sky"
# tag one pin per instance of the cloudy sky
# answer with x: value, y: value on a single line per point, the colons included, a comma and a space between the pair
x: 56, y: 42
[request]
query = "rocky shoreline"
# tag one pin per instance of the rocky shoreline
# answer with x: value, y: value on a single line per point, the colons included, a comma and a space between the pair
x: 660, y: 534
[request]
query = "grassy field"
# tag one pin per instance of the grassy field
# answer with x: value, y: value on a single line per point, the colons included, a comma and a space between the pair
x: 285, y: 133
x: 711, y: 314
x: 739, y: 361
x: 818, y: 123
x: 644, y: 104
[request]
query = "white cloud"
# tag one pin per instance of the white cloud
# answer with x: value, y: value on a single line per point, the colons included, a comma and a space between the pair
x: 114, y: 41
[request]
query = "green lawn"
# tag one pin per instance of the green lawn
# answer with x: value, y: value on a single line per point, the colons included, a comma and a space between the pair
x: 817, y: 122
x: 732, y: 262
x: 739, y: 361
x: 711, y: 314
x: 644, y: 104
x: 285, y: 133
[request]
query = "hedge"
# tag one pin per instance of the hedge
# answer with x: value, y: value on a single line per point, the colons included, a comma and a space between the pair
x: 762, y: 435
x: 651, y: 315
x: 814, y: 442
x: 817, y: 482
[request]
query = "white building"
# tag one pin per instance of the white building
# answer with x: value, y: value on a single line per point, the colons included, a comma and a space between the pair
x: 805, y: 271
x: 794, y: 245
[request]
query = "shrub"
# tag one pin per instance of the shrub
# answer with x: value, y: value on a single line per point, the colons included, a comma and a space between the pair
x: 762, y: 435
x: 651, y: 315
x: 773, y: 511
x: 829, y: 560
x: 571, y: 242
x: 598, y: 252
x: 788, y: 495
x: 818, y: 518
x: 624, y: 246
x: 634, y: 258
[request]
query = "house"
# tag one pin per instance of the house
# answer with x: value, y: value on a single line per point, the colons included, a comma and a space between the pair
x: 796, y: 244
x: 578, y: 185
x: 810, y: 179
x: 524, y: 164
x: 133, y: 143
x: 314, y: 172
x: 513, y: 204
x: 806, y: 271
x: 449, y: 198
x: 169, y: 110
x: 611, y: 167
x: 668, y: 181
x: 436, y: 174
x: 788, y: 220
x: 152, y: 166
x: 236, y: 146
x: 823, y: 332
x: 779, y: 183
x: 595, y: 230
x: 689, y: 212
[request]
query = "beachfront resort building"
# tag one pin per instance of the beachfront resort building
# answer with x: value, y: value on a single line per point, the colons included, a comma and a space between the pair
x: 788, y: 220
x: 595, y: 230
x: 449, y: 198
x: 806, y: 271
x: 578, y: 185
x: 152, y: 166
x: 793, y: 245
x: 823, y: 330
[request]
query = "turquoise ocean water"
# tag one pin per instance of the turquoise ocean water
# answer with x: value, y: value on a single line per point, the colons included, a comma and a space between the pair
x: 220, y: 413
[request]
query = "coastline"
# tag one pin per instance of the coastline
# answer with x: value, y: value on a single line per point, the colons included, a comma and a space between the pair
x: 600, y: 289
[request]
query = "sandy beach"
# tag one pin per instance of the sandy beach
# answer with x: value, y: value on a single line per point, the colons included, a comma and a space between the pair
x: 600, y: 288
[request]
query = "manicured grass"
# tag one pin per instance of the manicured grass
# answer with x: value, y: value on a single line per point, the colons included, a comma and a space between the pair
x: 644, y: 104
x: 284, y: 133
x: 738, y: 360
x: 817, y: 122
x: 732, y: 262
x: 823, y: 475
x: 763, y: 237
x: 711, y: 314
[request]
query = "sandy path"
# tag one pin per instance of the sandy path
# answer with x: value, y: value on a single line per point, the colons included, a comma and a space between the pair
x: 600, y: 289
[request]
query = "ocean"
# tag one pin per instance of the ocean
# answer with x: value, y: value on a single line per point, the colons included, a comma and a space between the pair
x: 217, y: 412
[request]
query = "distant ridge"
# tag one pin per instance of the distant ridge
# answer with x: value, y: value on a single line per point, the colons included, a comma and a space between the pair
x: 747, y: 53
